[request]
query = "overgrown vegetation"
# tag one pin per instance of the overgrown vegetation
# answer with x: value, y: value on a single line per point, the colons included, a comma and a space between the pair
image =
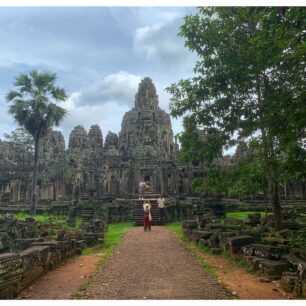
x: 243, y: 214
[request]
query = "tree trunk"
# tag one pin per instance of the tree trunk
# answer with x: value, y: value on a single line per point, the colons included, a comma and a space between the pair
x: 273, y: 182
x: 34, y: 182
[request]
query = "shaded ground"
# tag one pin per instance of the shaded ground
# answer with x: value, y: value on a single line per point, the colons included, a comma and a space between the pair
x: 153, y: 265
x: 61, y: 282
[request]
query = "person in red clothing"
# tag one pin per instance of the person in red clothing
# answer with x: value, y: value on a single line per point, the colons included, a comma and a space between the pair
x: 147, y: 215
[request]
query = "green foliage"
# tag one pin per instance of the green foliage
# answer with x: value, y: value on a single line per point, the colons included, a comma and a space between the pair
x: 249, y: 80
x: 21, y: 140
x: 34, y: 102
x: 33, y: 106
x: 243, y: 214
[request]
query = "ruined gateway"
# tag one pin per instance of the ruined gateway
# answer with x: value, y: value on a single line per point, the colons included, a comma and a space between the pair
x: 144, y: 149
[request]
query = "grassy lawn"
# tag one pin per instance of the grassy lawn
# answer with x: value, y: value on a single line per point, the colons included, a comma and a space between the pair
x: 243, y: 214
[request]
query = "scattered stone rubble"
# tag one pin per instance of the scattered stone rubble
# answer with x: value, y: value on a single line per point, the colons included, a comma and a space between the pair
x: 28, y: 250
x: 277, y: 255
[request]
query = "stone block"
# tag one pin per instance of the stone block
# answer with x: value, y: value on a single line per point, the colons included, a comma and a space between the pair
x: 235, y: 243
x: 10, y: 275
x: 204, y: 243
x: 197, y: 235
x: 299, y: 253
x: 274, y: 240
x: 190, y: 224
x: 248, y: 260
x: 273, y: 268
x: 264, y: 251
x: 223, y: 236
x: 214, y: 226
x: 288, y: 281
x: 233, y: 221
x: 216, y: 251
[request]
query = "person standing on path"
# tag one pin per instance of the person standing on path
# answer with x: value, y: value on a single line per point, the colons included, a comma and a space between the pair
x: 161, y: 206
x: 147, y: 216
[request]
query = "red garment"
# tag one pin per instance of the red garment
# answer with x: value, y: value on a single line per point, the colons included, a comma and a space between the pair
x: 147, y: 223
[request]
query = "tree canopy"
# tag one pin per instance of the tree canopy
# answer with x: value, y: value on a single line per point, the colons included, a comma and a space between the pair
x: 249, y: 80
x: 33, y: 106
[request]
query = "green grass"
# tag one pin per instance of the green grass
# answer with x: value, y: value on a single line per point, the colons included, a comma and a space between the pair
x: 244, y: 214
x: 177, y: 229
x: 112, y: 237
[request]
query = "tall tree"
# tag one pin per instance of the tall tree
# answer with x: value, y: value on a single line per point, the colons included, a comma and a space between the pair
x: 33, y: 105
x: 249, y: 79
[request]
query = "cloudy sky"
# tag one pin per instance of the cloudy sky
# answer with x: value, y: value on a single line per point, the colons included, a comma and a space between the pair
x: 99, y: 54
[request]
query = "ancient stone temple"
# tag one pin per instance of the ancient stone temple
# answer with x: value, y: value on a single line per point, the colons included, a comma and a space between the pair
x: 146, y: 142
x: 144, y: 149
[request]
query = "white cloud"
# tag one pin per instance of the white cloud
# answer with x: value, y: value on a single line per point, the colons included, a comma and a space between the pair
x: 119, y: 88
x: 160, y: 42
x: 108, y: 116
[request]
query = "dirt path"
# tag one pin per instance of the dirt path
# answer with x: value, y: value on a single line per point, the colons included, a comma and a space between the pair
x: 153, y: 265
x: 237, y: 280
x: 150, y: 265
x: 61, y: 282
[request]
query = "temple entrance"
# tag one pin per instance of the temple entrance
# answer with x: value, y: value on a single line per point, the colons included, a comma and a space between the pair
x: 147, y: 177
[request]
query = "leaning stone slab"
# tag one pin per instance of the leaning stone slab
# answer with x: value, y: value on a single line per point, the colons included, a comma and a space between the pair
x: 235, y: 243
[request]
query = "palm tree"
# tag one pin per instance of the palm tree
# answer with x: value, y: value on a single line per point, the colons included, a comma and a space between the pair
x: 34, y: 108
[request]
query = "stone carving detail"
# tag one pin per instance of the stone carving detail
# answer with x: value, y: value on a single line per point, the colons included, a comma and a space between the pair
x: 146, y: 129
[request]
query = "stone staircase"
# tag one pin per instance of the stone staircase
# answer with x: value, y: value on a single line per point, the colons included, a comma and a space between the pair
x: 155, y: 213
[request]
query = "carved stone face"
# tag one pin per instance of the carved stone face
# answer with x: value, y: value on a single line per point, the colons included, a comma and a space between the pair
x: 148, y: 133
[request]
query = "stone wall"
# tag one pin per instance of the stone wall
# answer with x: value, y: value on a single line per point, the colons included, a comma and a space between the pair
x: 28, y: 250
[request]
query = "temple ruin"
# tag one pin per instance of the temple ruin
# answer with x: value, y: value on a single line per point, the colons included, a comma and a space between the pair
x: 144, y: 149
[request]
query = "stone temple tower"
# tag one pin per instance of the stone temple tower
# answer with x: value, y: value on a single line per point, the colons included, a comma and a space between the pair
x: 146, y: 129
x: 146, y: 140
